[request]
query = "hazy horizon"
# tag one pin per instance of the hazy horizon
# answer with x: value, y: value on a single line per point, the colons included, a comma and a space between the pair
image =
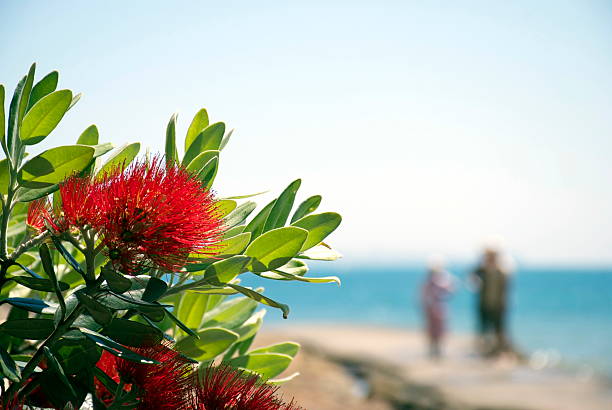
x: 427, y: 127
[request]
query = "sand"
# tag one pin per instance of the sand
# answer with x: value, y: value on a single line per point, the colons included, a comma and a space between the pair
x: 356, y: 367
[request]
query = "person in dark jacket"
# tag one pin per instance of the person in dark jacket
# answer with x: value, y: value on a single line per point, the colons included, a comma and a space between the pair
x: 492, y: 279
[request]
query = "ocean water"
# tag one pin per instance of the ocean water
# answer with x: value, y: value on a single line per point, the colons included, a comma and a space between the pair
x: 564, y: 315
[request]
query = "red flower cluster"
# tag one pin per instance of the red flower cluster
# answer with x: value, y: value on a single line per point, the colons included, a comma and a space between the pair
x: 174, y: 384
x: 227, y: 388
x: 149, y: 214
x: 157, y: 213
x: 164, y: 386
x: 39, y: 212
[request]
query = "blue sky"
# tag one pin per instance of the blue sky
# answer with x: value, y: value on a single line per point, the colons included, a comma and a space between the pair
x: 428, y: 125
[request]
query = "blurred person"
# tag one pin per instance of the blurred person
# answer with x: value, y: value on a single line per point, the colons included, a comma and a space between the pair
x: 492, y: 281
x: 435, y: 290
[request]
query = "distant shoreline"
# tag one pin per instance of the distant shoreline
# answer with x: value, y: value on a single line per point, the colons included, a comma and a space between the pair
x: 561, y: 365
x: 460, y: 378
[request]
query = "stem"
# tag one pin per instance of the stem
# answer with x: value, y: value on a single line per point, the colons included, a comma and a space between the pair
x: 90, y: 256
x: 6, y: 209
x: 31, y: 365
x: 29, y: 244
x: 74, y: 243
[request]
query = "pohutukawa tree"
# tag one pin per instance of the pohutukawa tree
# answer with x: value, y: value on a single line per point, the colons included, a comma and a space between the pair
x: 120, y: 276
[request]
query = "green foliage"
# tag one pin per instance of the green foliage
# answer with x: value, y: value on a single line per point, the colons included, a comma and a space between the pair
x: 44, y: 116
x: 71, y: 298
x: 54, y: 165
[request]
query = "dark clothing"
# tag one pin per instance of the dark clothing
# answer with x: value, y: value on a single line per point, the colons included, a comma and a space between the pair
x: 492, y: 301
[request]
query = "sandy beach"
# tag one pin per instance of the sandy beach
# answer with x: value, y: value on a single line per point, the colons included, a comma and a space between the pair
x: 357, y: 367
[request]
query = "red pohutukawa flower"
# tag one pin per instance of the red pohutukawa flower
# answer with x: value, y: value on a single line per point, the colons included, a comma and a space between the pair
x: 227, y: 388
x: 38, y: 212
x: 80, y: 197
x: 168, y: 385
x: 175, y: 384
x: 156, y: 215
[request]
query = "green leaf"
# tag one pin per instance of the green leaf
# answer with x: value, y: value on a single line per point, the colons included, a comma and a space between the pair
x: 4, y: 176
x: 75, y: 100
x: 115, y: 348
x: 101, y: 149
x: 153, y: 314
x: 99, y: 312
x: 283, y: 380
x: 44, y: 87
x: 9, y: 369
x: 246, y: 196
x: 250, y: 327
x: 171, y: 152
x: 57, y: 367
x: 289, y: 276
x: 307, y: 207
x: 180, y: 324
x: 54, y: 165
x: 256, y: 225
x: 234, y: 245
x: 226, y: 139
x: 27, y: 195
x: 116, y: 281
x: 76, y: 355
x: 281, y: 209
x: 275, y: 248
x: 211, y: 343
x: 32, y: 328
x: 130, y: 333
x: 25, y: 95
x: 44, y: 116
x: 192, y: 308
x: 240, y: 214
x: 43, y: 285
x: 67, y: 256
x: 90, y: 136
x: 105, y: 379
x: 320, y: 253
x: 295, y: 267
x: 258, y: 297
x: 45, y: 258
x: 2, y: 117
x: 13, y: 141
x: 121, y: 158
x: 25, y: 268
x: 226, y: 270
x: 319, y: 226
x: 267, y: 365
x: 230, y: 314
x: 154, y: 290
x: 199, y: 162
x: 208, y: 139
x: 121, y: 302
x: 198, y: 124
x: 31, y: 305
x: 231, y: 232
x: 209, y: 172
x: 288, y: 348
x: 212, y: 290
x: 225, y: 206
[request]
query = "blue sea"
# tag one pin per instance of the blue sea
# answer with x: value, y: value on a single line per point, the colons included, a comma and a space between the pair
x: 563, y: 313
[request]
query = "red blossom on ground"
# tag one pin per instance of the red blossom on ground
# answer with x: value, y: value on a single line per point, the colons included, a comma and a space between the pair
x: 227, y: 388
x: 168, y: 385
x: 156, y: 215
